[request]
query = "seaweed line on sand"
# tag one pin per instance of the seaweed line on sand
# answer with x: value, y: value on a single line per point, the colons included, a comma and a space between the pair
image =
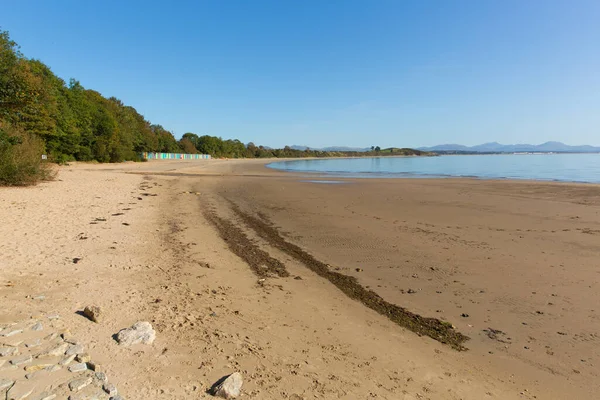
x: 261, y: 263
x: 436, y: 329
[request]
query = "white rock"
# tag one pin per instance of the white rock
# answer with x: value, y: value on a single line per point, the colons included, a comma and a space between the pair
x: 230, y: 387
x: 140, y: 332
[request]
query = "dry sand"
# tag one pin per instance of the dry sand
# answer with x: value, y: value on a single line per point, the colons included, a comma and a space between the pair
x: 517, y: 259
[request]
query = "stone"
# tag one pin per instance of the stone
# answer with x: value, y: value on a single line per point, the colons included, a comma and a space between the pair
x: 74, y: 349
x: 53, y: 368
x: 40, y: 297
x: 83, y: 357
x: 79, y: 367
x: 11, y: 332
x: 37, y: 375
x: 117, y: 397
x: 67, y: 360
x: 101, y: 376
x: 93, y: 313
x: 140, y: 332
x: 94, y: 366
x: 34, y: 343
x: 37, y: 327
x: 78, y: 384
x: 24, y: 359
x: 110, y: 389
x: 8, y: 351
x: 53, y: 317
x: 37, y: 367
x: 45, y: 396
x: 228, y: 387
x: 5, y: 384
x: 56, y: 351
x: 20, y: 390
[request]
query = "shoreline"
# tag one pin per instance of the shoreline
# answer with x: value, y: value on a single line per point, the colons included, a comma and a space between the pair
x: 498, y: 252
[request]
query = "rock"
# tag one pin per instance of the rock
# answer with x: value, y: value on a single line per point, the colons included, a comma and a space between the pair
x: 37, y: 327
x: 110, y: 389
x: 24, y: 359
x: 37, y: 367
x: 11, y: 332
x: 83, y: 357
x: 140, y: 332
x: 94, y: 366
x: 45, y: 396
x: 56, y: 351
x: 34, y: 343
x: 79, y: 367
x: 20, y: 390
x: 228, y: 387
x: 117, y: 397
x: 74, y: 349
x: 411, y: 291
x: 53, y: 317
x: 93, y: 313
x: 101, y: 376
x: 53, y: 368
x: 78, y: 384
x: 5, y: 383
x: 8, y: 351
x: 68, y: 360
x: 40, y: 297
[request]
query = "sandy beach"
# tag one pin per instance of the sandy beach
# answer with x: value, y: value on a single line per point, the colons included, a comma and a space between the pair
x: 308, y: 289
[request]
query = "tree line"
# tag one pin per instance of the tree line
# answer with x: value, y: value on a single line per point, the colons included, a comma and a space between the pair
x: 69, y: 122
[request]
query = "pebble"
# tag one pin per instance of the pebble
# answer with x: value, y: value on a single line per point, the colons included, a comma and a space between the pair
x: 53, y: 316
x: 37, y: 327
x: 117, y: 397
x: 79, y: 367
x: 78, y: 384
x: 110, y: 389
x: 140, y: 332
x: 41, y: 297
x: 74, y: 349
x: 229, y: 387
x: 24, y: 359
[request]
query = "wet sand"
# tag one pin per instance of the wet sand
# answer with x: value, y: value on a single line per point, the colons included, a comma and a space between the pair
x: 345, y: 290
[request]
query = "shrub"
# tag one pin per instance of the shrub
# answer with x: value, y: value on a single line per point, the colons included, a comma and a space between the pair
x: 21, y: 158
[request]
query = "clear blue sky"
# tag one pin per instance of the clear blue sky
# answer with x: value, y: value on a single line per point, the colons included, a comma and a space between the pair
x: 318, y: 73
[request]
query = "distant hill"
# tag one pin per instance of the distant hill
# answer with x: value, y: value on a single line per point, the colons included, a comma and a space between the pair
x: 332, y: 148
x: 495, y: 147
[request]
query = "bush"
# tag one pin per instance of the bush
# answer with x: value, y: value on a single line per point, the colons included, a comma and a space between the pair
x: 21, y: 158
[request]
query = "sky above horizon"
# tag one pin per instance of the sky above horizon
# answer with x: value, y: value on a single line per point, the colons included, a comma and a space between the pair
x: 324, y: 73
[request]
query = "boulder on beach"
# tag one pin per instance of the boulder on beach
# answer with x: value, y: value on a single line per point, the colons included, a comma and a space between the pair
x: 228, y: 387
x: 140, y: 332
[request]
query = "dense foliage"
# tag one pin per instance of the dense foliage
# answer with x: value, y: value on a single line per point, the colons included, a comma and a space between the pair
x: 69, y: 122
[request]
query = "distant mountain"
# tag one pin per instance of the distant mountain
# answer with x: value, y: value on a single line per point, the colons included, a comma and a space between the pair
x: 495, y: 147
x: 332, y: 148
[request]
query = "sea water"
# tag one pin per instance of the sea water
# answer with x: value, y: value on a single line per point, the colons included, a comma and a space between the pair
x: 544, y: 167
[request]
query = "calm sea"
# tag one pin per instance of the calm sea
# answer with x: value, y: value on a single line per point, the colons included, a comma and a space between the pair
x: 546, y: 167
